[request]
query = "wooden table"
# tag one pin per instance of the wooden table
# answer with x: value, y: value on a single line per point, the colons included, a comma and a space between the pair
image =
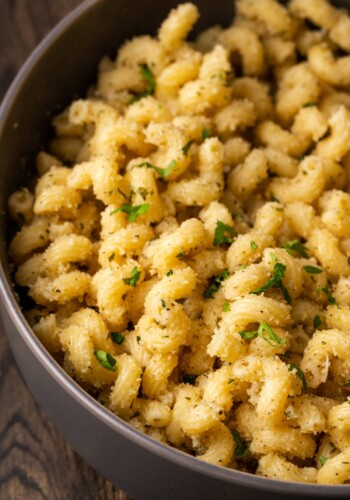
x: 35, y: 462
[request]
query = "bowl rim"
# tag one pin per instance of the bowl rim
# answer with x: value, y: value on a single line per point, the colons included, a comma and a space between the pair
x: 73, y: 388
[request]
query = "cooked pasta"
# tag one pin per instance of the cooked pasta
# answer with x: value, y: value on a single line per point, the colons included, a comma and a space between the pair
x: 187, y: 243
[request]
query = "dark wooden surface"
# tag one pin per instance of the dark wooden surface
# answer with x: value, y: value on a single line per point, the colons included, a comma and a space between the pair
x: 35, y: 462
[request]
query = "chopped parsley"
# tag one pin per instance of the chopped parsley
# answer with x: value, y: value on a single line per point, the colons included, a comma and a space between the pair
x: 143, y: 192
x: 249, y: 334
x: 329, y: 296
x: 138, y: 338
x: 275, y: 281
x: 347, y: 384
x: 163, y: 172
x: 273, y: 198
x: 242, y: 447
x: 253, y: 245
x: 205, y: 133
x: 149, y: 77
x: 226, y: 307
x: 106, y: 360
x: 181, y: 255
x: 323, y: 459
x: 189, y: 379
x: 117, y: 337
x: 215, y: 285
x: 132, y: 211
x: 309, y: 104
x: 297, y: 247
x: 170, y: 272
x: 270, y: 337
x: 313, y: 270
x: 299, y: 373
x: 134, y: 277
x: 187, y: 147
x: 317, y: 321
x: 111, y: 257
x: 224, y: 234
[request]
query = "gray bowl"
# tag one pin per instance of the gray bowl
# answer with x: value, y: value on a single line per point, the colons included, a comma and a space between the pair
x: 61, y: 68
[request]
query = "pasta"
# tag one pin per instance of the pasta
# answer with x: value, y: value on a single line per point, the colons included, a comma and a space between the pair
x: 187, y: 243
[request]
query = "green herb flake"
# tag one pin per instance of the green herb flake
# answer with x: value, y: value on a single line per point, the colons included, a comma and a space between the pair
x: 132, y: 211
x: 248, y: 334
x: 273, y: 257
x: 253, y: 245
x: 149, y: 77
x: 181, y: 255
x: 222, y: 276
x: 272, y: 197
x: 138, y: 338
x: 209, y: 292
x: 297, y: 247
x: 143, y: 192
x: 205, y: 134
x: 317, y: 322
x: 226, y: 307
x: 163, y: 172
x: 275, y: 281
x: 163, y: 303
x: 347, y: 384
x: 242, y: 447
x: 187, y: 147
x: 323, y: 459
x: 329, y: 296
x: 215, y: 285
x: 189, y: 379
x: 170, y: 272
x: 106, y: 360
x: 111, y: 257
x: 273, y: 339
x: 224, y: 234
x: 265, y: 332
x: 117, y: 337
x: 313, y: 270
x: 309, y: 104
x: 299, y: 373
x: 134, y: 277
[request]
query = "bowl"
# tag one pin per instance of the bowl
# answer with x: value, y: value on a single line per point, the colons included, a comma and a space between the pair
x: 60, y: 69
